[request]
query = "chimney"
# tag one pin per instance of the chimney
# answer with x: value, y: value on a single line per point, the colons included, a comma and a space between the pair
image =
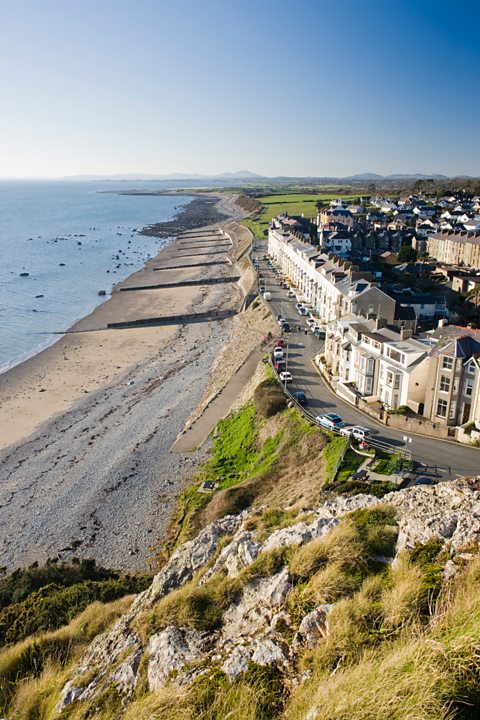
x: 405, y: 333
x: 442, y: 322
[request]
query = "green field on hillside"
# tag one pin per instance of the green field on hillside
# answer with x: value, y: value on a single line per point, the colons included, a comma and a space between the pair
x: 292, y: 203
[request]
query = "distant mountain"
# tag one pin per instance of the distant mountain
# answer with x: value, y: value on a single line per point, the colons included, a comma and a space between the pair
x: 365, y: 176
x: 240, y: 175
x: 415, y: 176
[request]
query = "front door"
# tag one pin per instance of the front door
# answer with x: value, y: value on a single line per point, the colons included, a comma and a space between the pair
x: 466, y: 413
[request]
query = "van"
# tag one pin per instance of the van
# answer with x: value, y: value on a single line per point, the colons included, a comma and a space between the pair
x: 267, y: 295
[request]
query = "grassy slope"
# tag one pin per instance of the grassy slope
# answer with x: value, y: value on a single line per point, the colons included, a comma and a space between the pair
x: 293, y: 203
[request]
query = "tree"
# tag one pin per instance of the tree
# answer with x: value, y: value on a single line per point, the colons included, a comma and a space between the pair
x: 407, y: 254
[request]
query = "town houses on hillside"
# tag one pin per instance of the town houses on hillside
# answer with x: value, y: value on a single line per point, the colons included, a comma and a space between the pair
x: 378, y: 354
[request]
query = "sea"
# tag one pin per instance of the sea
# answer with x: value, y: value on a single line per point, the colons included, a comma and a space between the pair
x: 61, y: 242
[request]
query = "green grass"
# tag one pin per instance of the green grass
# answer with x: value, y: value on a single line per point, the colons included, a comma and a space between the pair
x: 349, y: 466
x: 388, y: 464
x: 293, y: 203
x: 331, y: 454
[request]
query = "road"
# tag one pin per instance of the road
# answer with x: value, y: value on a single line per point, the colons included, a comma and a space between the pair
x: 439, y: 458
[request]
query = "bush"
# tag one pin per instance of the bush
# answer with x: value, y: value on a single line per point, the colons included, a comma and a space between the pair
x: 269, y: 398
x: 53, y: 606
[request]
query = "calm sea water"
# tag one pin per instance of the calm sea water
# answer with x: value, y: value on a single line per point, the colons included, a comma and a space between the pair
x: 66, y: 236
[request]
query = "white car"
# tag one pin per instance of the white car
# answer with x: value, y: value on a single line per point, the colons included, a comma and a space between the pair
x: 286, y: 377
x: 310, y: 322
x: 277, y: 353
x: 356, y: 431
x: 290, y: 293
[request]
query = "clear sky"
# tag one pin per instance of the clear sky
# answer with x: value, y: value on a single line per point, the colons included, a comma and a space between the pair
x: 291, y: 87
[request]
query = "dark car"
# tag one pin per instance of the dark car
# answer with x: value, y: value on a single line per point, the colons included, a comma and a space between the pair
x: 286, y: 327
x: 280, y: 365
x: 300, y: 397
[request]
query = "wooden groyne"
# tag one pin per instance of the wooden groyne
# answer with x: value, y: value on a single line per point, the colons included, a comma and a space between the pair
x: 174, y: 319
x: 183, y: 283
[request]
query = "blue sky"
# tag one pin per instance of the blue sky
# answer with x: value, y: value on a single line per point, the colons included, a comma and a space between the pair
x: 306, y: 87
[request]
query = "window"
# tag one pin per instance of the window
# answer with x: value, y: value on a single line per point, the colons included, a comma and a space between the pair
x: 451, y: 414
x: 447, y: 363
x: 444, y: 383
x: 389, y: 378
x: 471, y: 368
x: 397, y: 382
x: 442, y: 408
x: 469, y: 387
x: 368, y: 386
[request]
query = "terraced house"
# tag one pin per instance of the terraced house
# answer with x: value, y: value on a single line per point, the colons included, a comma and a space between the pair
x: 376, y: 362
x: 457, y: 247
x: 453, y: 383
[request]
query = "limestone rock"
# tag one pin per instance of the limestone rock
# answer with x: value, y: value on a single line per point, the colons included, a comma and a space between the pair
x: 269, y: 652
x: 238, y: 554
x: 191, y: 556
x: 257, y: 606
x: 170, y: 651
x: 300, y: 533
x: 313, y: 627
x: 237, y: 662
x: 125, y: 676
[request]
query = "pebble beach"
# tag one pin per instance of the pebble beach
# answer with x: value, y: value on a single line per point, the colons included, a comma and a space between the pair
x: 87, y: 424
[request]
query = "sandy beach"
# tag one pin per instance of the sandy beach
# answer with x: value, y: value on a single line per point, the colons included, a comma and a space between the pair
x: 88, y: 423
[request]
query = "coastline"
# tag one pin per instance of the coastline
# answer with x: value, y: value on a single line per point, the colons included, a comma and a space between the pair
x: 72, y: 466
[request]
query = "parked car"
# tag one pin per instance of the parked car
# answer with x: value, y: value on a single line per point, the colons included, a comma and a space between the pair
x: 330, y: 420
x: 285, y: 327
x: 310, y: 321
x: 280, y: 365
x: 300, y: 397
x: 290, y: 293
x: 356, y: 431
x: 286, y: 377
x: 280, y: 342
x: 277, y: 353
x: 281, y: 320
x: 267, y: 295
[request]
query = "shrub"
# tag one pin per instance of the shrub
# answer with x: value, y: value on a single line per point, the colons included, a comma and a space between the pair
x: 53, y: 606
x: 269, y: 398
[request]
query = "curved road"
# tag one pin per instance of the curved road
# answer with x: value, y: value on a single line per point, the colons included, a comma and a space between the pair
x: 440, y: 458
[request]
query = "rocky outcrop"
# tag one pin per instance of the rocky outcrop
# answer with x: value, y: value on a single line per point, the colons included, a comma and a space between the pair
x: 251, y: 626
x: 170, y: 652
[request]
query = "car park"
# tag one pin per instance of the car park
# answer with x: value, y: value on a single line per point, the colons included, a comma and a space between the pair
x: 300, y: 397
x: 330, y: 420
x: 286, y: 377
